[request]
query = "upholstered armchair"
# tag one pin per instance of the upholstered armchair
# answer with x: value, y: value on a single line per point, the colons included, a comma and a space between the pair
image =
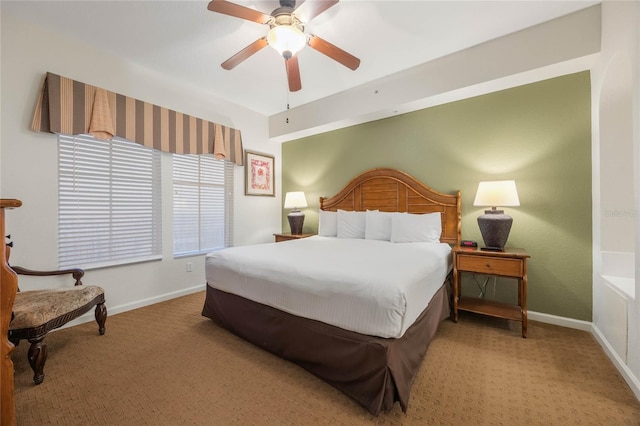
x: 36, y: 312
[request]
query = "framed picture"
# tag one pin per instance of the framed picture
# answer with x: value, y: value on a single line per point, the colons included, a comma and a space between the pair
x: 259, y: 174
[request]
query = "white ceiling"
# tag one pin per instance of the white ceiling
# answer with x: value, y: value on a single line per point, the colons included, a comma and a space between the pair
x: 185, y: 41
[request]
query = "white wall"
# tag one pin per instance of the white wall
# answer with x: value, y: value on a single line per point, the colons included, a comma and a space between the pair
x: 28, y: 161
x: 616, y: 169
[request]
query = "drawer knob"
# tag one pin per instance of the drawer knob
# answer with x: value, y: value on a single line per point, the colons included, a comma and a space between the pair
x: 488, y: 265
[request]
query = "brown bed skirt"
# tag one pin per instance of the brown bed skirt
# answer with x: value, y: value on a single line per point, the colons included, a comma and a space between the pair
x: 374, y: 371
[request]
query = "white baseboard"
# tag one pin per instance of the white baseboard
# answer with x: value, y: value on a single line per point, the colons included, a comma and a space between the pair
x: 114, y: 310
x: 156, y: 299
x: 561, y: 321
x: 622, y: 367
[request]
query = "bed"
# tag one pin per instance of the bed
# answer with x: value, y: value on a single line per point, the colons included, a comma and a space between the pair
x: 359, y: 313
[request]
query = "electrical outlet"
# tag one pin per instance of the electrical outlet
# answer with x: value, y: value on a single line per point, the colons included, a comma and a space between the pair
x: 189, y: 266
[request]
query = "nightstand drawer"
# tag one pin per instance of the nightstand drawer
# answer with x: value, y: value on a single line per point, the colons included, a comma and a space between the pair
x: 490, y: 265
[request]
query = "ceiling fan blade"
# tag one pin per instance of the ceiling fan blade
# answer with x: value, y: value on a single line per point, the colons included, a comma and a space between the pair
x: 293, y: 73
x: 310, y: 9
x: 242, y: 12
x: 245, y: 53
x: 334, y: 52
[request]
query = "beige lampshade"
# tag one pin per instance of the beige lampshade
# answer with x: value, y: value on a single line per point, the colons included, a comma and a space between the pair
x: 295, y: 200
x: 497, y: 193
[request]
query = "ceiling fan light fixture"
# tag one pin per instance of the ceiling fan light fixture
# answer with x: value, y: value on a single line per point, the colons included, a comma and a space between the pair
x: 287, y: 40
x: 286, y: 34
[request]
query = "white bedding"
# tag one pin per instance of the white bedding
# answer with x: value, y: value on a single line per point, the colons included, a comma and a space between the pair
x: 368, y: 286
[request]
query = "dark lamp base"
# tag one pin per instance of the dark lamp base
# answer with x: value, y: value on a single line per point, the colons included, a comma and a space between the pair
x: 296, y: 219
x: 494, y: 226
x: 491, y: 248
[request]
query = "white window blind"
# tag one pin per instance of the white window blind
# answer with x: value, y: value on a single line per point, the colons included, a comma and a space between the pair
x: 109, y: 208
x: 202, y: 204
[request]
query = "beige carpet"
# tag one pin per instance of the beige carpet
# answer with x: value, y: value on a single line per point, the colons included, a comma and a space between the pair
x: 167, y: 365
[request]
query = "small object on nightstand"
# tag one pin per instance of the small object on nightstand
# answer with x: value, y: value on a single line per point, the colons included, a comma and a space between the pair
x: 468, y: 243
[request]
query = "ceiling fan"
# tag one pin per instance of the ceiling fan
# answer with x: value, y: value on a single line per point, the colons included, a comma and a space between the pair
x: 286, y: 34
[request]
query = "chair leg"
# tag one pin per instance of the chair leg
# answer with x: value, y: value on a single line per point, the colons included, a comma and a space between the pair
x: 101, y: 317
x: 37, y: 357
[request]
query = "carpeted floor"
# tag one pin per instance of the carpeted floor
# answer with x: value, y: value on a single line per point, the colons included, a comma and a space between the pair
x: 167, y: 365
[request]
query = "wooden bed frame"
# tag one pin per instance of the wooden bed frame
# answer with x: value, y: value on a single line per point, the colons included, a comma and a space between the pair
x: 376, y: 372
x: 391, y: 190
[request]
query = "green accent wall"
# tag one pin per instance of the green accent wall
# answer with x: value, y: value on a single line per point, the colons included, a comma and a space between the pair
x: 537, y: 134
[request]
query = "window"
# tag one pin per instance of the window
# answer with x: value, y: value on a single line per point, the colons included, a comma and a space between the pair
x: 109, y: 207
x: 202, y: 204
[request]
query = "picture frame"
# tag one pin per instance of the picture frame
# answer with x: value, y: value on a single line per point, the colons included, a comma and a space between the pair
x: 259, y: 176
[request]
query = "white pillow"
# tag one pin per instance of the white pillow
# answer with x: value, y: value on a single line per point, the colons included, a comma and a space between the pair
x: 351, y: 224
x: 377, y: 225
x: 410, y: 228
x: 327, y: 223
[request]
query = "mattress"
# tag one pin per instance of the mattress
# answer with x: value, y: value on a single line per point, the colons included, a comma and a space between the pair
x: 371, y: 287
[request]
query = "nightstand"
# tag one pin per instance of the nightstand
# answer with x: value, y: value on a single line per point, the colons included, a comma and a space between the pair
x: 287, y: 237
x: 511, y: 263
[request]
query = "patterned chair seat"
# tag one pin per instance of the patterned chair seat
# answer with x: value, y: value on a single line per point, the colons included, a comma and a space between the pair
x: 39, y: 311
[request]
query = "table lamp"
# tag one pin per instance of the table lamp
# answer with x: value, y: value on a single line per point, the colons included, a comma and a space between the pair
x: 295, y: 200
x: 494, y: 224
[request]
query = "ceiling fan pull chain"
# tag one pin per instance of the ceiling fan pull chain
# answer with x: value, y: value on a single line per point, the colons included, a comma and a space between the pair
x: 287, y: 120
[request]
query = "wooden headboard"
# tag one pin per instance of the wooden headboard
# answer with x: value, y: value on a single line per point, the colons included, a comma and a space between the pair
x: 391, y: 190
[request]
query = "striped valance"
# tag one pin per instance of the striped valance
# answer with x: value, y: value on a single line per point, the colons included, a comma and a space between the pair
x: 70, y: 107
